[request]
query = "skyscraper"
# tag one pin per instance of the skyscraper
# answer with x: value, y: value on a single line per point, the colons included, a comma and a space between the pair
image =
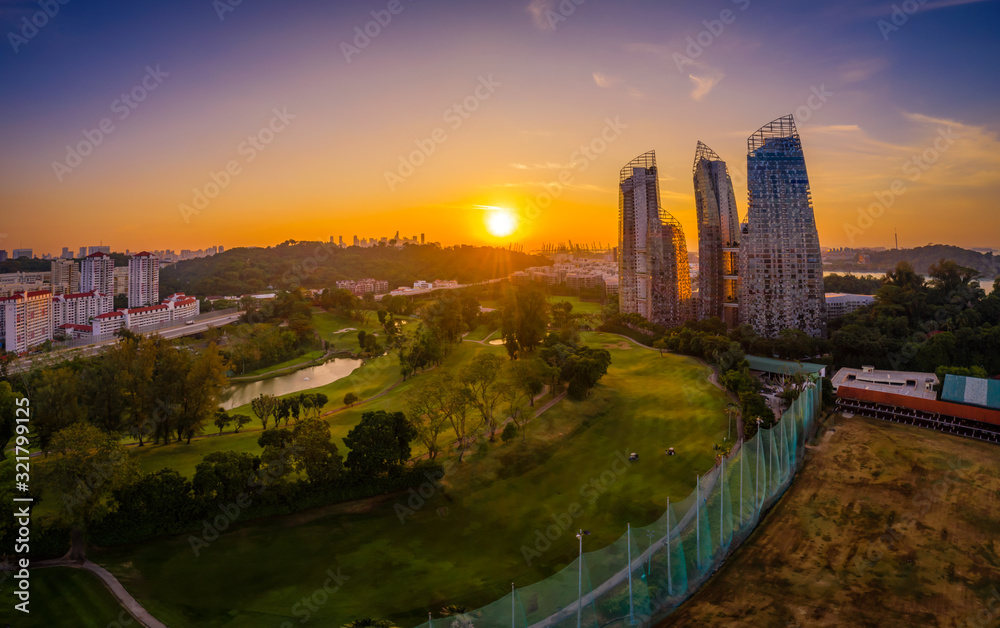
x: 718, y: 237
x: 65, y: 276
x: 97, y: 274
x: 781, y: 270
x: 653, y: 268
x: 143, y: 280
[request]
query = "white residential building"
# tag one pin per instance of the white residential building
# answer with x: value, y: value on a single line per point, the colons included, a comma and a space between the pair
x: 109, y: 322
x: 76, y: 309
x: 97, y: 274
x: 25, y: 320
x: 838, y: 303
x: 143, y: 280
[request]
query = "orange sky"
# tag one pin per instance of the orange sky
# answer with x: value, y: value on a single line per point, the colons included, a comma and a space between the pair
x: 538, y: 95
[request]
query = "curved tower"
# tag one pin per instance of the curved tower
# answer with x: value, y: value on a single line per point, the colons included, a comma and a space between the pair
x: 653, y: 269
x: 718, y: 237
x: 781, y: 270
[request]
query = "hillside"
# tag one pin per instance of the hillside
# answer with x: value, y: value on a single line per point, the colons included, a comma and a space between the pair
x: 922, y: 257
x: 320, y: 265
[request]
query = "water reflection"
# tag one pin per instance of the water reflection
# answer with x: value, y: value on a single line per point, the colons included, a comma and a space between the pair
x: 312, y: 377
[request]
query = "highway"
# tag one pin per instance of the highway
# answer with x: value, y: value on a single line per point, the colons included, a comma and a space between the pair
x: 177, y: 331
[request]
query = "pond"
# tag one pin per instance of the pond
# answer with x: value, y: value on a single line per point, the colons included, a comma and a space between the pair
x: 312, y: 377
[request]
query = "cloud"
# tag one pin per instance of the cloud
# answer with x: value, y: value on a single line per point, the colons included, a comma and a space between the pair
x: 861, y: 69
x: 704, y: 84
x: 603, y: 80
x: 538, y: 10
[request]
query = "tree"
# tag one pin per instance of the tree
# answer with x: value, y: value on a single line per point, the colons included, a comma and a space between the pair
x: 350, y: 399
x: 319, y: 402
x: 222, y: 476
x: 89, y: 464
x: 315, y: 454
x: 8, y: 414
x: 264, y: 406
x: 240, y: 420
x: 583, y: 369
x: 470, y: 310
x: 458, y: 403
x: 222, y: 420
x: 203, y: 385
x: 482, y: 381
x: 428, y: 408
x: 509, y: 433
x: 275, y: 459
x: 379, y: 444
x: 56, y: 404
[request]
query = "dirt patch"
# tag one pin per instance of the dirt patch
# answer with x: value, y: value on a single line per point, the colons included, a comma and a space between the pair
x: 621, y: 346
x: 886, y: 525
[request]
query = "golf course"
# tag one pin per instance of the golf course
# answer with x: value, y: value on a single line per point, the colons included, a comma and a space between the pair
x: 462, y: 541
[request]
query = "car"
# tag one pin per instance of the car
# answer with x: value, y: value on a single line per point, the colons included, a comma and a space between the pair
x: 189, y: 323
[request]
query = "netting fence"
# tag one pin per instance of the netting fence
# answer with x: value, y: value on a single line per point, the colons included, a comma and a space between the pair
x: 650, y: 570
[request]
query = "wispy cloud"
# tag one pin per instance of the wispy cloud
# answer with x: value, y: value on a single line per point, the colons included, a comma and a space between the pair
x: 861, y: 69
x: 603, y: 80
x: 538, y: 10
x: 704, y: 84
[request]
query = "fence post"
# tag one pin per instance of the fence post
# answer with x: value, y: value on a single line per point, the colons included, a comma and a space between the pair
x: 722, y: 501
x: 631, y: 607
x: 697, y: 524
x: 670, y: 575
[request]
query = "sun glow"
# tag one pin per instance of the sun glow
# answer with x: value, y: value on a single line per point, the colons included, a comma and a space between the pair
x: 500, y: 222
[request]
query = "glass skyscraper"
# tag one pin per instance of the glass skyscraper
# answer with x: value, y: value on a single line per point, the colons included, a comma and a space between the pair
x: 781, y: 270
x: 653, y: 269
x: 718, y: 237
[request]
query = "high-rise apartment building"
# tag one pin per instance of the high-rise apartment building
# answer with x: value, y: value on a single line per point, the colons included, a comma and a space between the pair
x: 23, y: 254
x: 718, y: 237
x: 25, y: 320
x: 143, y: 280
x: 781, y: 268
x: 97, y: 274
x: 65, y: 276
x: 653, y: 268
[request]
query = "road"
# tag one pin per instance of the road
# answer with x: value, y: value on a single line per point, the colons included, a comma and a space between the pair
x: 180, y: 330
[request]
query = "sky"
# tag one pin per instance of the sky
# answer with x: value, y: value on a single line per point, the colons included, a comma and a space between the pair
x: 195, y: 123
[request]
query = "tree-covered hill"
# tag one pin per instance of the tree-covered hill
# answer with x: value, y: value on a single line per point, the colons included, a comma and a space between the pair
x: 922, y: 257
x: 320, y: 265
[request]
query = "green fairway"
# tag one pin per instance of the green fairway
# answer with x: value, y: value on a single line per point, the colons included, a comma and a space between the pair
x: 464, y: 546
x: 61, y: 596
x: 579, y: 307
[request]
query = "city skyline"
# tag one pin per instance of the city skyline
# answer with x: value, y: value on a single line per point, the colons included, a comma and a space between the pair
x: 526, y: 94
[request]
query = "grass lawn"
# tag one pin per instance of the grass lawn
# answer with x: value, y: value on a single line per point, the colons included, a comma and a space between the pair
x: 302, y: 359
x: 885, y: 525
x: 61, y: 596
x: 464, y: 545
x: 579, y: 307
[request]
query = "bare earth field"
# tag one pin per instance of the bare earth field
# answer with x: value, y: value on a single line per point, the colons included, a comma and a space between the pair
x: 886, y: 525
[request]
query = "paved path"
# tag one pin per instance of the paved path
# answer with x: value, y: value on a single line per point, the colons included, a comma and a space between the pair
x: 124, y: 598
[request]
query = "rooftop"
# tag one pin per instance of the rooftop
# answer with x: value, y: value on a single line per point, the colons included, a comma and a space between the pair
x: 971, y: 390
x: 897, y: 382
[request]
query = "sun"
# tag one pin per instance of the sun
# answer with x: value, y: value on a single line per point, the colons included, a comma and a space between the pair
x: 500, y: 222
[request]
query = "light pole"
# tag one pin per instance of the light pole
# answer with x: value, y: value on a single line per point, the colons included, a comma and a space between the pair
x: 579, y: 586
